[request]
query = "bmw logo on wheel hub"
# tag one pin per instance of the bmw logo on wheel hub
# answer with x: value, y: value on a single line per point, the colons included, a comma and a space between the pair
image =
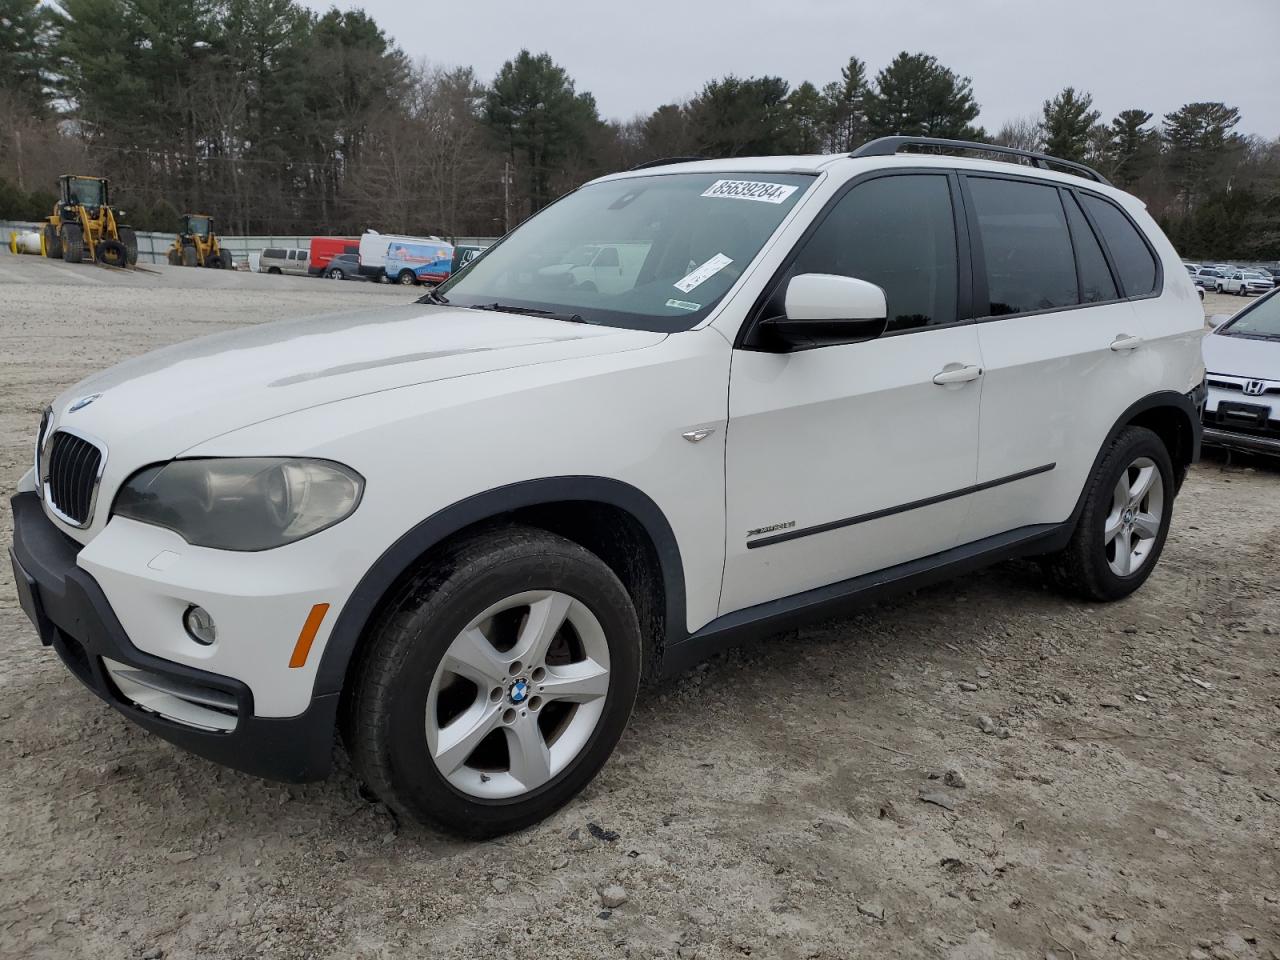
x: 519, y: 691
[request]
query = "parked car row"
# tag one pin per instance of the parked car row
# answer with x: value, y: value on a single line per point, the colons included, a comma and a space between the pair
x: 374, y: 256
x: 1241, y: 281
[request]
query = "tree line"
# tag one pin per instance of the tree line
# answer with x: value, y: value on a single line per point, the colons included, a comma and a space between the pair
x: 278, y: 120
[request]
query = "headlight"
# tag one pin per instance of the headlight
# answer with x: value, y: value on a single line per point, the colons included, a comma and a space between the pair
x: 250, y: 504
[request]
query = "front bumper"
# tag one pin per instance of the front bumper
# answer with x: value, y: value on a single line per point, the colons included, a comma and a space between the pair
x: 1250, y: 443
x: 71, y: 613
x: 1234, y: 420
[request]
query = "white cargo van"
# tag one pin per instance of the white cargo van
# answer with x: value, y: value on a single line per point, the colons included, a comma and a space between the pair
x: 373, y: 251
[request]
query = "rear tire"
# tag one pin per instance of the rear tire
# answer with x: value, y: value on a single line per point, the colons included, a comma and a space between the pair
x: 225, y: 260
x: 275, y: 270
x: 52, y: 242
x: 1122, y: 528
x: 72, y: 243
x: 523, y: 612
x: 335, y: 274
x: 175, y: 258
x: 406, y: 278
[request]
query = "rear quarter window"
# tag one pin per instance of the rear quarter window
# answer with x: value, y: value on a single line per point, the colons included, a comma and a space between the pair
x: 1133, y: 259
x: 273, y: 253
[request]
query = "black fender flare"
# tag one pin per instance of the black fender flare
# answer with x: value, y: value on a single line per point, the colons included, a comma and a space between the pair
x: 1152, y: 401
x: 401, y: 555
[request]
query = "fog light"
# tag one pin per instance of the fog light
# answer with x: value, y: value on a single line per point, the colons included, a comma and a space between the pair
x: 200, y: 625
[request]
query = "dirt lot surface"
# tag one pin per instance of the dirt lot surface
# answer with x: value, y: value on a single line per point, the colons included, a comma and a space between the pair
x: 1127, y: 802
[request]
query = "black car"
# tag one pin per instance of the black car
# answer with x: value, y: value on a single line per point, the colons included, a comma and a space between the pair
x: 344, y: 266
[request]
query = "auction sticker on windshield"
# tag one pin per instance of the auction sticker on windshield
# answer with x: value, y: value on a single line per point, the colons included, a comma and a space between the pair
x: 702, y: 274
x: 750, y: 190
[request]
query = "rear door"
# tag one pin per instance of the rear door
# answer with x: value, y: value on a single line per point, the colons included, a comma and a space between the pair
x: 1061, y: 345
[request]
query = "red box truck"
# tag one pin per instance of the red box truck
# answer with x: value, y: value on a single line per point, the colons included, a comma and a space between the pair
x: 324, y: 249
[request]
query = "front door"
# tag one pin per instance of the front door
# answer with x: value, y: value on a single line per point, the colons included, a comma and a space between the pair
x: 843, y: 460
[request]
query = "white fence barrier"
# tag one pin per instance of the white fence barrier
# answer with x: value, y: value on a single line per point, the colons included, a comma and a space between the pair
x: 154, y: 247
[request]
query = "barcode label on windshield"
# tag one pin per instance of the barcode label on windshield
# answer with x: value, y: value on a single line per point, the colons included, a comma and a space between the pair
x: 700, y: 275
x: 750, y: 190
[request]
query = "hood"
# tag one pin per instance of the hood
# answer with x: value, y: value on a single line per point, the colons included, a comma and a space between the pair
x: 1242, y: 357
x: 165, y: 402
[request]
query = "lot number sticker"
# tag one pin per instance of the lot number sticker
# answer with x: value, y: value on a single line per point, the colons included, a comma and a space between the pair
x: 702, y: 274
x: 750, y: 190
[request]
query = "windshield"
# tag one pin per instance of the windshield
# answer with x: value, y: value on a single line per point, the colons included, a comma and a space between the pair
x: 86, y: 192
x: 1261, y: 320
x: 198, y: 226
x: 649, y: 253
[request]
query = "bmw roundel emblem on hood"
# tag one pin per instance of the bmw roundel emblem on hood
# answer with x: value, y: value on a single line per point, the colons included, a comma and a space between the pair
x: 83, y: 402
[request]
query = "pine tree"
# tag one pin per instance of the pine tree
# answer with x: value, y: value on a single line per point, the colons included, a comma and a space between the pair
x: 917, y: 96
x: 1068, y: 119
x: 845, y: 126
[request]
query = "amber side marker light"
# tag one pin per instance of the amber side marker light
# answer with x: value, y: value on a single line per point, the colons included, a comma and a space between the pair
x: 308, y: 635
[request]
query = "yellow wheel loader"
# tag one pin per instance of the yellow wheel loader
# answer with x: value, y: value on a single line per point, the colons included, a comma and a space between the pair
x: 85, y: 226
x: 198, y: 246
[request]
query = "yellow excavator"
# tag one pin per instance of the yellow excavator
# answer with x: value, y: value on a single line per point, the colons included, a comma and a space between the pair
x: 84, y: 225
x: 198, y: 246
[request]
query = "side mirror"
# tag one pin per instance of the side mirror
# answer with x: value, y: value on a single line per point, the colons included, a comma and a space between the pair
x: 825, y: 310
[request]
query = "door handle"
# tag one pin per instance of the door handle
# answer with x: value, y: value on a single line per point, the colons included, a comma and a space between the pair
x: 957, y: 374
x: 1124, y: 342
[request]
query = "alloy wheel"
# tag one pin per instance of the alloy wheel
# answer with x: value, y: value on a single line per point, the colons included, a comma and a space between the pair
x: 517, y: 695
x: 1133, y: 523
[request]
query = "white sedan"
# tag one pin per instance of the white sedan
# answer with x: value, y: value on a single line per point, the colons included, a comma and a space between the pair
x: 1242, y: 363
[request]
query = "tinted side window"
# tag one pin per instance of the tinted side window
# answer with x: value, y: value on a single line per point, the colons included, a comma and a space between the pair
x: 1029, y: 260
x: 273, y: 253
x: 1132, y: 256
x: 1096, y: 283
x: 895, y: 232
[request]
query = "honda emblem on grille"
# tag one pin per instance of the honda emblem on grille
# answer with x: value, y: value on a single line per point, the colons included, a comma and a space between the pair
x: 83, y: 402
x: 1255, y: 388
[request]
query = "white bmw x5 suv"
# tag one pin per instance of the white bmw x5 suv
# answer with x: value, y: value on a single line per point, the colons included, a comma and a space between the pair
x: 460, y: 532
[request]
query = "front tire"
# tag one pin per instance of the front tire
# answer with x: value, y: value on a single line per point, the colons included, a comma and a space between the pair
x: 521, y: 650
x: 129, y: 237
x: 1122, y: 528
x: 335, y: 274
x: 72, y: 243
x: 406, y: 278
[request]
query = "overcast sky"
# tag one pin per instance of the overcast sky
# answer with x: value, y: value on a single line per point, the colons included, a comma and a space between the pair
x: 634, y: 56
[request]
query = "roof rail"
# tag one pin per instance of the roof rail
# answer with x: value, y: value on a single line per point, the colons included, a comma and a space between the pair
x: 664, y: 161
x: 888, y: 146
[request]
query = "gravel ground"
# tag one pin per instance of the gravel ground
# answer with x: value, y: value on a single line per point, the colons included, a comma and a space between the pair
x: 768, y: 804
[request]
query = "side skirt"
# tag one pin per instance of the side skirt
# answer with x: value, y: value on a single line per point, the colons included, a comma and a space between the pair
x: 786, y: 613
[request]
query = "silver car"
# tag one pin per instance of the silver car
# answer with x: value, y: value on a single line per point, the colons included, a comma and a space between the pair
x: 279, y: 260
x: 1242, y: 364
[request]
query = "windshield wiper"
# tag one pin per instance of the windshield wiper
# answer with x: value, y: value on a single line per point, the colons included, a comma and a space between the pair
x: 432, y: 297
x: 530, y: 312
